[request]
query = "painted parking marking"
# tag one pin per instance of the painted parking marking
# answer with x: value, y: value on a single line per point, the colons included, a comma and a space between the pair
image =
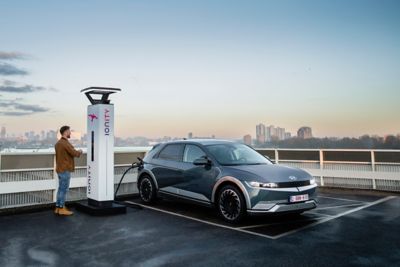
x: 344, y: 199
x: 278, y: 223
x: 341, y: 206
x: 322, y: 218
x: 336, y: 216
x: 202, y: 221
x: 317, y: 213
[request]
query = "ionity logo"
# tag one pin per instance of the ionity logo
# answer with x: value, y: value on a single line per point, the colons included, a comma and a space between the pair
x: 92, y: 117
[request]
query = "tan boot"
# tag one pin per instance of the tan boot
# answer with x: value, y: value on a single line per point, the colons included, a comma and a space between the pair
x: 56, y: 210
x: 64, y: 212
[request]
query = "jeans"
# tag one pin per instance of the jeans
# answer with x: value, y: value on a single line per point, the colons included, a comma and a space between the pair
x: 63, y: 186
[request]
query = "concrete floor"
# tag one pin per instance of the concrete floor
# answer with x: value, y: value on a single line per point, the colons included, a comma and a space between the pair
x: 349, y: 228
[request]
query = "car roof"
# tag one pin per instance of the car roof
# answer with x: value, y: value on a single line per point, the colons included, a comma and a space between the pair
x: 201, y: 141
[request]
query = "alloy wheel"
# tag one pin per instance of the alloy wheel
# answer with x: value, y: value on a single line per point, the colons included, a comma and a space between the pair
x: 146, y: 190
x: 229, y: 204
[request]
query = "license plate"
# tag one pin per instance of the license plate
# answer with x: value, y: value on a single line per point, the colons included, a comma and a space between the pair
x: 298, y: 198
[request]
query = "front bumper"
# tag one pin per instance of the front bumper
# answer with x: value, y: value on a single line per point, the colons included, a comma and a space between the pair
x: 267, y: 201
x: 286, y: 208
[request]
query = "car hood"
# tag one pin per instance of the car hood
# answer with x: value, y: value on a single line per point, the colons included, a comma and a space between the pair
x: 268, y: 173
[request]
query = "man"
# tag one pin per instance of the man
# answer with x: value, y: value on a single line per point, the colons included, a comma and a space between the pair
x: 65, y: 164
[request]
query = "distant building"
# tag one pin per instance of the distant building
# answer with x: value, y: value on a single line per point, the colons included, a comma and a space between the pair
x: 247, y: 139
x: 52, y: 135
x: 260, y: 133
x: 3, y: 132
x: 304, y: 133
x: 280, y: 133
x: 288, y: 135
x: 268, y: 133
x: 190, y: 135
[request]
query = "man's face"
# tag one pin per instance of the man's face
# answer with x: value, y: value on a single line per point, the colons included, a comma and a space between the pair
x: 67, y: 133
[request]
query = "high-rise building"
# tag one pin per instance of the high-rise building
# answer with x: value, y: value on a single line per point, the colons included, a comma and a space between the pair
x: 3, y: 132
x: 280, y: 133
x: 304, y: 133
x: 260, y: 133
x: 247, y: 139
x: 274, y: 132
x: 190, y: 135
x: 268, y: 133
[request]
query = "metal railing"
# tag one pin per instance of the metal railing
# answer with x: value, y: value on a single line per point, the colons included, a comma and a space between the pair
x: 30, y: 178
x: 344, y: 168
x: 26, y: 181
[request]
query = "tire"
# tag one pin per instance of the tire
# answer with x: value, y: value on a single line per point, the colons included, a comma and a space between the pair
x: 231, y: 205
x: 147, y: 189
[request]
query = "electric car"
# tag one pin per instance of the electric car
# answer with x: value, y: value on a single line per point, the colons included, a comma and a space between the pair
x: 230, y: 176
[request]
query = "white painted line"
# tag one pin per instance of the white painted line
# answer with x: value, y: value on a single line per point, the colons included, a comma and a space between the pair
x: 341, y: 206
x: 336, y: 216
x: 277, y: 223
x: 320, y: 214
x: 344, y: 199
x: 202, y: 221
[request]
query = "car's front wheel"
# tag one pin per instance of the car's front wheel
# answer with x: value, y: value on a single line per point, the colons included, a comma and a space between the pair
x: 231, y: 205
x: 147, y: 189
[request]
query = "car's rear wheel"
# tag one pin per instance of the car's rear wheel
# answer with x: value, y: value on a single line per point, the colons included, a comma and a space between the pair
x: 147, y: 189
x: 231, y: 205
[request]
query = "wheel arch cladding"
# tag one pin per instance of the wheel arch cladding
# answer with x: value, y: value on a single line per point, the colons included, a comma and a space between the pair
x: 229, y: 180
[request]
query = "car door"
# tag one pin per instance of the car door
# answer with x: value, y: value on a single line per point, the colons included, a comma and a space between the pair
x: 168, y: 166
x: 198, y: 181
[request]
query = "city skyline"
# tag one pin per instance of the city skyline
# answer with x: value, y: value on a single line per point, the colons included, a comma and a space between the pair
x: 203, y: 67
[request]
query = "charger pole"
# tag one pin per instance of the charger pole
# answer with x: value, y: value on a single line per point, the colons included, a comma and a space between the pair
x: 100, y: 153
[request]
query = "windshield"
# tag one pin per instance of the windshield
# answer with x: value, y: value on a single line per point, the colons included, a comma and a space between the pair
x: 236, y: 154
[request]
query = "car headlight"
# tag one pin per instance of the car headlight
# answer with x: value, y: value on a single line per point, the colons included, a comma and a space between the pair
x: 263, y: 185
x: 312, y: 181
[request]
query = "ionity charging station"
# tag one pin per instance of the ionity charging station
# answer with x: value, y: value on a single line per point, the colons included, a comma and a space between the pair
x: 100, y: 153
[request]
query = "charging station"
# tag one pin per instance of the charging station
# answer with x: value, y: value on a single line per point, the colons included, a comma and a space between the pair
x: 100, y: 154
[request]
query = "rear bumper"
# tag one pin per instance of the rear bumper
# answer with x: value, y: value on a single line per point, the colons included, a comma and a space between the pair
x: 283, y: 208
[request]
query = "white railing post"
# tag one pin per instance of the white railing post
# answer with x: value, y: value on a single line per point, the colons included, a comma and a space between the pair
x: 0, y: 163
x: 321, y: 166
x: 55, y: 178
x: 373, y: 168
x: 276, y: 156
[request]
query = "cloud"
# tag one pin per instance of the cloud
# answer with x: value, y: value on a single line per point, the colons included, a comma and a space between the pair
x: 15, y: 108
x: 12, y: 55
x: 8, y: 69
x: 13, y: 87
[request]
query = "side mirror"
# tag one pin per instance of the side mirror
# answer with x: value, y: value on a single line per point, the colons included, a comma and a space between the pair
x: 202, y: 162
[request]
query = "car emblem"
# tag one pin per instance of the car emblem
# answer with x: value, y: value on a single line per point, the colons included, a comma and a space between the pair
x: 293, y: 178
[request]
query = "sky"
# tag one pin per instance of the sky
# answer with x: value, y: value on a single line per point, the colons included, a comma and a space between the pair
x: 207, y: 67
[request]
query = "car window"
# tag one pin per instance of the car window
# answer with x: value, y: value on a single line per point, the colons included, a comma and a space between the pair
x: 192, y: 153
x: 172, y: 152
x: 236, y: 154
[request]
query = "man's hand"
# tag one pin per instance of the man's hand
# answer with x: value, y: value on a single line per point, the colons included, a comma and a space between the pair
x: 80, y: 152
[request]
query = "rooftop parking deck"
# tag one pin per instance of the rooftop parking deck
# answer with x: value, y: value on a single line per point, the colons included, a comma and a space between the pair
x: 349, y: 228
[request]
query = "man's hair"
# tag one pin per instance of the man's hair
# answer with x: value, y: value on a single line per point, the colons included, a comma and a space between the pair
x: 63, y: 129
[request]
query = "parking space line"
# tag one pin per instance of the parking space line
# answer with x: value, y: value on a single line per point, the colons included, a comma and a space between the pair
x: 320, y: 214
x: 336, y: 216
x: 344, y: 199
x: 277, y: 223
x: 341, y: 206
x: 202, y: 221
